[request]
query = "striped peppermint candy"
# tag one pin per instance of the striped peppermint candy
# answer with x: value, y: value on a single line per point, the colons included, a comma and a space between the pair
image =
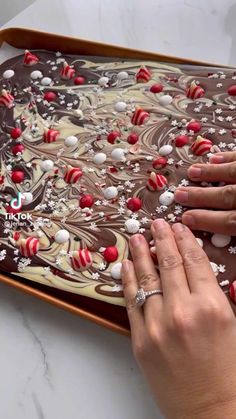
x: 67, y: 72
x: 81, y: 259
x: 29, y: 247
x: 50, y: 135
x: 30, y: 59
x: 143, y: 75
x: 139, y: 116
x: 6, y: 99
x: 72, y: 174
x: 201, y: 146
x: 156, y: 182
x: 195, y: 91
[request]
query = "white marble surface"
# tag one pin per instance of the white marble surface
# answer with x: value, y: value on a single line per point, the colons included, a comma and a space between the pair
x: 53, y: 364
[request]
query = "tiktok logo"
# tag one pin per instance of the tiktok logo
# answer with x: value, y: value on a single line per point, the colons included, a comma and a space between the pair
x: 16, y: 203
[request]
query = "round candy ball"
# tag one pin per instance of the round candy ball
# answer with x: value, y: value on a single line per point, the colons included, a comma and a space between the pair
x: 116, y: 270
x: 17, y: 176
x: 159, y: 163
x: 86, y: 201
x: 122, y: 75
x: 181, y: 140
x: 156, y: 88
x: 165, y: 100
x: 166, y: 198
x: 165, y: 150
x: 232, y: 90
x: 132, y: 226
x: 79, y: 80
x: 194, y: 126
x: 27, y: 198
x: 99, y: 158
x: 111, y: 192
x: 36, y: 74
x: 118, y: 154
x: 132, y: 138
x: 120, y: 107
x: 50, y: 96
x: 62, y: 236
x: 220, y: 240
x: 18, y: 148
x: 112, y: 136
x: 15, y: 133
x: 8, y: 74
x: 103, y: 81
x: 134, y: 204
x: 46, y: 165
x: 110, y: 254
x: 71, y: 141
x: 46, y: 81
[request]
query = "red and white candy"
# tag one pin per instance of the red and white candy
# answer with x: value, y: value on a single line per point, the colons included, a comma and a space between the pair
x: 195, y: 91
x: 81, y: 259
x: 67, y: 71
x: 72, y: 174
x: 194, y: 126
x: 139, y: 116
x: 201, y: 146
x: 159, y: 163
x: 156, y: 182
x: 29, y: 247
x: 6, y: 99
x: 30, y: 59
x: 143, y: 75
x: 50, y: 135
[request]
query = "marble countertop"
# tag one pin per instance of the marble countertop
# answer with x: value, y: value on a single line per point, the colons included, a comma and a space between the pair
x: 54, y: 364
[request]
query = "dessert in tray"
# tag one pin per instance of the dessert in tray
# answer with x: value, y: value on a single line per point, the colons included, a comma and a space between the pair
x: 92, y: 150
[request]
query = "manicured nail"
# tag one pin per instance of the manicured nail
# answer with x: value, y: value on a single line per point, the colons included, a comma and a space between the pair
x: 136, y: 240
x: 125, y: 266
x: 159, y: 223
x: 181, y: 196
x: 178, y: 227
x: 217, y: 159
x: 194, y: 172
x: 188, y: 220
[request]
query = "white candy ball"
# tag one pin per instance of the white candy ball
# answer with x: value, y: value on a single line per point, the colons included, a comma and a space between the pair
x: 46, y: 81
x: 118, y: 154
x: 110, y: 192
x: 62, y: 236
x: 120, y: 107
x: 8, y: 74
x: 79, y: 113
x: 99, y: 158
x: 165, y: 150
x: 200, y: 241
x: 214, y: 268
x: 220, y: 240
x: 116, y: 271
x: 46, y: 165
x: 27, y: 198
x: 71, y: 141
x: 103, y: 81
x: 165, y: 100
x: 36, y: 74
x: 166, y: 198
x: 122, y: 75
x: 132, y: 225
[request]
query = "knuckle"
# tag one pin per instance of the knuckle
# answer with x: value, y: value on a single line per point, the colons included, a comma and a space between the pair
x: 192, y: 256
x: 130, y: 303
x: 139, y: 349
x: 212, y: 309
x: 179, y: 322
x: 155, y: 335
x: 170, y: 261
x: 231, y: 221
x: 146, y: 279
x: 228, y: 196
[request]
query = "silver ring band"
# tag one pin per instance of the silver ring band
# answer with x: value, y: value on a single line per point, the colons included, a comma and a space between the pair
x: 142, y: 295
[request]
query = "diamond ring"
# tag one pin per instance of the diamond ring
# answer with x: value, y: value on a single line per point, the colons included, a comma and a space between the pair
x: 142, y: 295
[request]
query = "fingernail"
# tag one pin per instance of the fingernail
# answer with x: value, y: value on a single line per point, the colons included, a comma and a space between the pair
x: 159, y: 223
x: 136, y: 239
x: 195, y: 172
x: 216, y: 159
x: 181, y: 196
x: 188, y: 220
x: 178, y: 227
x: 125, y: 266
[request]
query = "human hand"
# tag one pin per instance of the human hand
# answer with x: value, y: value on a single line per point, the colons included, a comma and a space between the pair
x: 221, y: 198
x: 185, y: 340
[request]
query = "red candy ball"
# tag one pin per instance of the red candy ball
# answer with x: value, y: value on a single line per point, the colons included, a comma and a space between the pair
x: 17, y: 176
x: 132, y: 138
x: 18, y: 148
x: 134, y: 204
x: 86, y: 201
x: 181, y: 140
x: 110, y: 254
x: 79, y: 80
x: 232, y: 292
x: 111, y: 138
x: 233, y: 132
x: 15, y: 133
x: 50, y: 96
x: 194, y: 126
x: 156, y: 88
x: 159, y: 163
x: 232, y: 90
